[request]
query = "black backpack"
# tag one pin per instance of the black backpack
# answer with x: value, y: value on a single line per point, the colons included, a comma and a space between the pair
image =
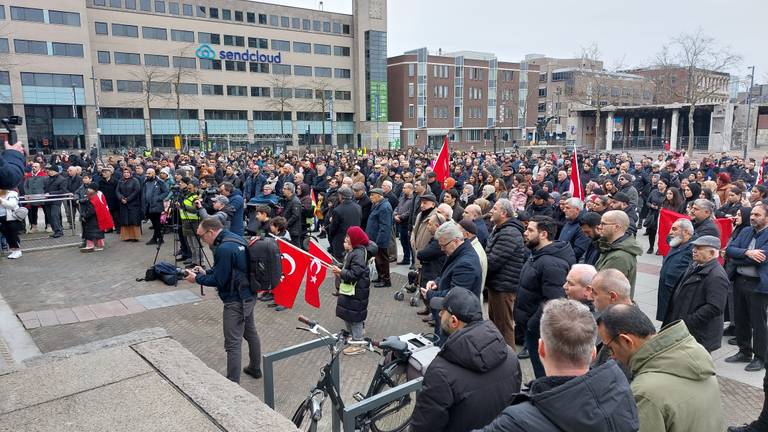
x: 265, y: 267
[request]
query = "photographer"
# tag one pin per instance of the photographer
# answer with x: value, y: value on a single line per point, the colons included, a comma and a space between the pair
x: 189, y: 221
x: 223, y: 211
x: 11, y: 165
x: 208, y: 190
x: 230, y: 277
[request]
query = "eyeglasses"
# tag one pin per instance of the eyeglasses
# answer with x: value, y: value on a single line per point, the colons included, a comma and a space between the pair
x: 444, y: 245
x: 607, y: 223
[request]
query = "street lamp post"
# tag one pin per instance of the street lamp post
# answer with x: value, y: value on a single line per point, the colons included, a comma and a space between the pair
x: 74, y: 110
x: 749, y: 110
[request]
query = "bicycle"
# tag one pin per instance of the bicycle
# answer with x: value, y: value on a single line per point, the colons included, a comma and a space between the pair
x: 390, y: 372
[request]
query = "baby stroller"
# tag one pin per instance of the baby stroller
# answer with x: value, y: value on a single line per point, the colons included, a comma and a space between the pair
x: 411, y: 287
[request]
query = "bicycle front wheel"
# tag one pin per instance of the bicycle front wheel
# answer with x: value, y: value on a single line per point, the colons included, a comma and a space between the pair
x: 302, y: 418
x: 396, y: 415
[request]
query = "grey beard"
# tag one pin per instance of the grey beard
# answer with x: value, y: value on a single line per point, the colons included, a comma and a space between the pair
x: 675, y: 242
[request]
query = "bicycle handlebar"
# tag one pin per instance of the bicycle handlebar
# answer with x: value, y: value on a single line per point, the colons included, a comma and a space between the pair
x: 304, y: 320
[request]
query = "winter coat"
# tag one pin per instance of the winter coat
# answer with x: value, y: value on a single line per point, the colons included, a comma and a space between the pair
x: 699, y: 300
x: 506, y: 255
x: 56, y: 185
x: 631, y: 192
x: 482, y: 232
x: 35, y: 184
x: 542, y: 279
x: 673, y: 268
x: 652, y: 217
x: 736, y: 249
x: 11, y: 169
x: 343, y: 216
x: 571, y: 233
x: 238, y: 212
x: 474, y: 376
x: 622, y: 256
x: 292, y: 215
x: 599, y: 401
x: 379, y: 227
x: 91, y: 230
x: 130, y: 212
x: 152, y: 195
x: 355, y: 308
x: 461, y: 270
x: 365, y: 205
x: 420, y: 235
x: 432, y: 259
x: 404, y: 209
x: 73, y: 183
x: 675, y: 384
x: 592, y: 254
x: 109, y: 188
x: 542, y: 210
x: 707, y: 227
x: 631, y: 212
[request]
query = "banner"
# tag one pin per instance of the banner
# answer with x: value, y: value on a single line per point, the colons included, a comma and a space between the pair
x: 442, y: 165
x: 576, y: 188
x: 316, y: 274
x: 667, y: 218
x: 295, y: 263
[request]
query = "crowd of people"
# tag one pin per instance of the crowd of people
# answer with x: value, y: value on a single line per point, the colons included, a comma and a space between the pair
x: 558, y: 272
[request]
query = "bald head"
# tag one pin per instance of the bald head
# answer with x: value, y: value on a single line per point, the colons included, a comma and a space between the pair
x: 578, y: 282
x: 445, y: 210
x: 473, y: 211
x: 610, y: 286
x: 614, y: 225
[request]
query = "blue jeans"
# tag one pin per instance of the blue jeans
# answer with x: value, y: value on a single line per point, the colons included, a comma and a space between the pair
x: 405, y: 242
x: 532, y: 343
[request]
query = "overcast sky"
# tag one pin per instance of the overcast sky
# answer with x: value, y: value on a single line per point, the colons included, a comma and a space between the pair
x: 630, y: 32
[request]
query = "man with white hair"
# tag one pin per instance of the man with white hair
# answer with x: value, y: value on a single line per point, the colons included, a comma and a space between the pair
x: 571, y: 231
x: 578, y: 285
x: 675, y: 263
x: 703, y: 224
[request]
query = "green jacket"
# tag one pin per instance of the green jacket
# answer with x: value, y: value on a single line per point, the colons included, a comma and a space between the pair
x: 675, y: 385
x: 622, y: 256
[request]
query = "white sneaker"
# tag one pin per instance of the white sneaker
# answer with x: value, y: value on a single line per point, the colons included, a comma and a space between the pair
x: 15, y: 254
x: 48, y: 230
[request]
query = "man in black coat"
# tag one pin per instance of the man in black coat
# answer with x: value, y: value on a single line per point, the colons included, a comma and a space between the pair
x: 153, y: 193
x: 571, y: 395
x: 703, y: 224
x: 56, y: 185
x: 292, y: 213
x: 473, y: 377
x: 361, y: 198
x: 541, y: 279
x: 675, y: 264
x: 700, y: 296
x: 506, y: 257
x: 344, y: 215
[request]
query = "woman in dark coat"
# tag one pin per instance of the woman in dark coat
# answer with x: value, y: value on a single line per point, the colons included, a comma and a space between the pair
x: 353, y: 309
x: 654, y: 203
x: 108, y: 186
x: 129, y: 193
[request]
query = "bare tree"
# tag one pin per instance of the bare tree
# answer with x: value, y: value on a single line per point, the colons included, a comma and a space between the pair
x: 701, y: 59
x: 282, y: 95
x: 590, y: 87
x: 154, y: 85
x: 180, y: 76
x: 323, y: 100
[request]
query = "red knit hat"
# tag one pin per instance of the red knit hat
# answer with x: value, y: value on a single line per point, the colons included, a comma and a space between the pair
x: 357, y: 237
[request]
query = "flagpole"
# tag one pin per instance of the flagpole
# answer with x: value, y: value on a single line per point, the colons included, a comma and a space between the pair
x: 324, y: 264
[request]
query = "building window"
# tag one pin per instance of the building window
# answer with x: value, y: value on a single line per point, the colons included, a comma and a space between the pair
x: 122, y: 113
x: 543, y: 92
x: 301, y: 93
x: 64, y: 18
x: 103, y: 57
x: 225, y: 115
x: 125, y: 30
x: 101, y: 28
x: 281, y: 45
x: 212, y: 90
x: 258, y: 43
x: 302, y: 47
x: 115, y: 3
x: 160, y: 6
x: 342, y: 73
x: 184, y: 62
x: 130, y: 4
x: 67, y: 49
x: 235, y: 66
x: 250, y: 17
x: 159, y: 87
x: 281, y: 69
x: 326, y: 26
x: 317, y: 25
x: 22, y: 46
x: 226, y: 14
x: 541, y: 107
x: 234, y: 90
x: 154, y: 33
x: 306, y: 24
x: 213, y: 13
x: 296, y: 23
x: 4, y: 46
x: 99, y: 2
x: 271, y: 115
x: 156, y: 60
x: 201, y: 11
x: 343, y: 95
x: 412, y: 69
x: 336, y: 27
x: 322, y: 49
x: 615, y: 91
x: 173, y: 8
x: 234, y: 40
x: 128, y: 86
x: 259, y: 67
x: 302, y: 70
x: 145, y: 5
x: 263, y: 19
x: 127, y: 58
x: 209, y: 38
x: 186, y: 88
x: 260, y: 91
x: 562, y: 76
x: 411, y: 90
x: 341, y: 51
x: 323, y: 72
x: 239, y: 16
x: 186, y: 9
x: 285, y: 21
x: 51, y: 80
x: 27, y: 14
x: 411, y: 111
x: 274, y: 20
x: 182, y: 36
x: 210, y: 64
x: 106, y: 85
x: 282, y: 92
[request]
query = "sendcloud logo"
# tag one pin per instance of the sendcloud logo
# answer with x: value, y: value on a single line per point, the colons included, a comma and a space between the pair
x: 205, y: 52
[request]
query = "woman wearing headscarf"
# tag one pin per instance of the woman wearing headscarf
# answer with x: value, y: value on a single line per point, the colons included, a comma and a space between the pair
x: 691, y: 193
x: 467, y: 196
x: 129, y: 193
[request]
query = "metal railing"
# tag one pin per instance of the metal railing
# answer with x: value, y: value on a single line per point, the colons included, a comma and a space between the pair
x: 699, y: 142
x: 44, y: 200
x: 378, y: 400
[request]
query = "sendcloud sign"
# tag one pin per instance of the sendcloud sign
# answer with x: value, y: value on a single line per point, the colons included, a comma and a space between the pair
x: 206, y: 52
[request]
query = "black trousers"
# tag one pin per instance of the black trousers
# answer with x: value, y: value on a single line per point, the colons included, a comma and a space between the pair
x: 10, y: 230
x: 749, y: 309
x: 157, y: 229
x: 382, y: 264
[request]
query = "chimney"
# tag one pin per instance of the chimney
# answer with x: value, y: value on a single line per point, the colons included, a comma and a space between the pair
x: 439, y: 51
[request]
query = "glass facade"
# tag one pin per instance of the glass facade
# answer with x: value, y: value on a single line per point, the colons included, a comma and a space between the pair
x: 376, y: 75
x: 54, y: 127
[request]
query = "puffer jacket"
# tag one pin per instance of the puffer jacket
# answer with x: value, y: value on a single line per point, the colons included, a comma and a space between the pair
x: 541, y: 280
x: 622, y: 256
x: 598, y: 401
x: 474, y: 376
x: 506, y: 255
x: 355, y: 308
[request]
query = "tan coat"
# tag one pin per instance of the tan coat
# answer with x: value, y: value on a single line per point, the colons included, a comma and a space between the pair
x: 420, y: 235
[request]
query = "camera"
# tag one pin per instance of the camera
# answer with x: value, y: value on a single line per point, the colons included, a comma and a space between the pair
x: 12, y: 121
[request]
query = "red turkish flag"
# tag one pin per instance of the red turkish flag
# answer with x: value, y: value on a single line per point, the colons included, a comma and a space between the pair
x: 442, y: 165
x: 294, y: 263
x: 760, y: 171
x: 576, y: 190
x: 666, y: 219
x: 315, y: 274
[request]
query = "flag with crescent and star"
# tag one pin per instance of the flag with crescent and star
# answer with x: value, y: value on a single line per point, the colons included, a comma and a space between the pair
x: 315, y: 274
x: 295, y: 263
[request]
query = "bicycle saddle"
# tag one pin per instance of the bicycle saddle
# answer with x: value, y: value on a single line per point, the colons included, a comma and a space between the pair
x: 394, y: 343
